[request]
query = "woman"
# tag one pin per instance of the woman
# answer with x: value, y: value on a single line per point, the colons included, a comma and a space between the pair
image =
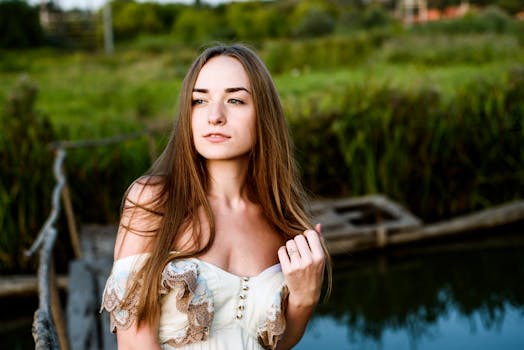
x: 214, y: 248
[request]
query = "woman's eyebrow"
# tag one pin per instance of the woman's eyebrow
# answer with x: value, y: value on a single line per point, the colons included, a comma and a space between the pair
x: 204, y: 91
x: 228, y: 90
x: 236, y: 89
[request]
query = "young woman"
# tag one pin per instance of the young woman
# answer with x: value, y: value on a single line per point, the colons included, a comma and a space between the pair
x: 214, y: 248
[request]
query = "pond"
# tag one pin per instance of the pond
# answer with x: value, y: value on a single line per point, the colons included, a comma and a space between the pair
x: 453, y: 295
x: 466, y: 294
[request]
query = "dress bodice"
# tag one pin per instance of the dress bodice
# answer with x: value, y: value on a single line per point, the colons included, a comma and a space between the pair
x: 204, y: 306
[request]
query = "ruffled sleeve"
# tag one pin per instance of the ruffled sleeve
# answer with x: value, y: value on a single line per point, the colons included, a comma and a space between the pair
x: 270, y: 332
x: 191, y: 319
x: 122, y: 309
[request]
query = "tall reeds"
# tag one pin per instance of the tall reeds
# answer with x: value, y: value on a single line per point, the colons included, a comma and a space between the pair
x: 26, y: 179
x: 439, y: 157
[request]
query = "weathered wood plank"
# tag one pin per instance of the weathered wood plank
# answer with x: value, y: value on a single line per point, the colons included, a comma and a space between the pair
x: 485, y: 219
x: 25, y: 285
x: 381, y: 236
x: 82, y: 308
x: 358, y: 218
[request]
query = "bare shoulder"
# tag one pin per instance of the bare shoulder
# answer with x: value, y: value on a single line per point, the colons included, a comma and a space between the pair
x: 141, y: 216
x: 144, y: 190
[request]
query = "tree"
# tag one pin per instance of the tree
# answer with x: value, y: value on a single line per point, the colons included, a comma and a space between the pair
x: 19, y: 25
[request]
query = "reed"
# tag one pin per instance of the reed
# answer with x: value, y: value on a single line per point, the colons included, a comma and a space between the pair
x: 26, y: 180
x: 440, y: 157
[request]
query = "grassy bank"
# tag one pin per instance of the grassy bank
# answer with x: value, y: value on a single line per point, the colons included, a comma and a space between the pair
x: 439, y: 133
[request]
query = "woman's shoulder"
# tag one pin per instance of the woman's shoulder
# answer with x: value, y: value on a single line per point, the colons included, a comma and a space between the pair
x: 141, y: 216
x: 145, y: 189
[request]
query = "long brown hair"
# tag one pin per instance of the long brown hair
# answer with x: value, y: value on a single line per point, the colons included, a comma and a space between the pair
x: 273, y: 180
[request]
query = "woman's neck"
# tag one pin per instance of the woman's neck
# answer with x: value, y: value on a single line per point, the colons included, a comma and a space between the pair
x: 227, y: 184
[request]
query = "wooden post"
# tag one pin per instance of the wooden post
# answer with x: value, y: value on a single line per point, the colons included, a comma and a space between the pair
x: 108, y: 29
x: 71, y: 223
x: 56, y: 310
x: 382, y: 237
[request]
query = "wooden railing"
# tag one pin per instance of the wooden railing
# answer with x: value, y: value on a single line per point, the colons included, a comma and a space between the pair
x: 49, y: 330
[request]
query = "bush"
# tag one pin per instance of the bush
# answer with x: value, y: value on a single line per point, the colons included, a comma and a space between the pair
x: 196, y: 26
x: 489, y: 20
x: 27, y: 179
x: 440, y: 158
x: 284, y: 55
x: 314, y: 24
x: 438, y: 49
x: 19, y: 25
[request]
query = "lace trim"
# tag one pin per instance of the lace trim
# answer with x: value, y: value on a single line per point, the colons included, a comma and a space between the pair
x: 270, y: 332
x: 193, y: 299
x: 122, y: 310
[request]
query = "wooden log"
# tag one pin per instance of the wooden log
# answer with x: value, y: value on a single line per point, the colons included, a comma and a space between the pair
x: 485, y: 219
x: 20, y: 285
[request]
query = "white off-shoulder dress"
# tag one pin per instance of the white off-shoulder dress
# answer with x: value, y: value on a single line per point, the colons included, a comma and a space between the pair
x: 204, y: 307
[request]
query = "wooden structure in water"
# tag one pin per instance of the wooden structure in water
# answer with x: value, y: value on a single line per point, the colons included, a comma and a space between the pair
x: 372, y: 222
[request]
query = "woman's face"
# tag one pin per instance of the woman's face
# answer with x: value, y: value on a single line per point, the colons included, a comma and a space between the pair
x: 223, y: 111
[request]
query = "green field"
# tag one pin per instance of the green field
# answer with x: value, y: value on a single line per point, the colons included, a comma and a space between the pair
x: 435, y: 121
x: 91, y: 95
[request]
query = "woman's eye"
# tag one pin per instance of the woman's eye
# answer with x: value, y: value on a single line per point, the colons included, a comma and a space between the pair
x: 197, y: 101
x: 236, y: 101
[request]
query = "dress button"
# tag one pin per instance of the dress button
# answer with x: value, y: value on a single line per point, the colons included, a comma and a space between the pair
x: 241, y: 307
x: 239, y: 316
x: 245, y: 287
x: 242, y: 296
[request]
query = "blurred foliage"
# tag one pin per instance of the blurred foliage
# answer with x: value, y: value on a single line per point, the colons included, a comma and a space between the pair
x: 26, y: 176
x: 200, y: 23
x: 19, y: 25
x: 489, y: 20
x: 439, y: 157
x: 441, y: 49
x: 391, y: 139
x: 97, y: 178
x: 401, y: 111
x: 332, y: 51
x: 197, y: 25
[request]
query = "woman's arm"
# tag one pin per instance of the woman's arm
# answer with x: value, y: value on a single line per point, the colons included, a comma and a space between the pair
x: 135, y: 235
x: 302, y: 260
x: 144, y: 337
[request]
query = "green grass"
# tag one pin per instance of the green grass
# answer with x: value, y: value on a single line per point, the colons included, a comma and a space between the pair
x: 92, y: 95
x: 322, y: 90
x: 426, y: 133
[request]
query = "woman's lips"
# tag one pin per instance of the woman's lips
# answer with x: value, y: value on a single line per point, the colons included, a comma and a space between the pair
x: 216, y: 137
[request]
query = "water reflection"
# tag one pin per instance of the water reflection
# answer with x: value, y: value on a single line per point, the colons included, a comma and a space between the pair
x: 425, y: 298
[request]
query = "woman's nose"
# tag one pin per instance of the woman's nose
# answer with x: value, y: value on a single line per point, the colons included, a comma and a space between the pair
x: 216, y: 114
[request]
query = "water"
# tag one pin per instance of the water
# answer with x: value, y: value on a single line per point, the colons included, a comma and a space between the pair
x: 457, y: 295
x: 460, y: 295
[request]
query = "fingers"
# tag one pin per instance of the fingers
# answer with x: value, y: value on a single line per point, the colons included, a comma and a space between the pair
x: 315, y: 245
x: 318, y: 228
x: 303, y: 249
